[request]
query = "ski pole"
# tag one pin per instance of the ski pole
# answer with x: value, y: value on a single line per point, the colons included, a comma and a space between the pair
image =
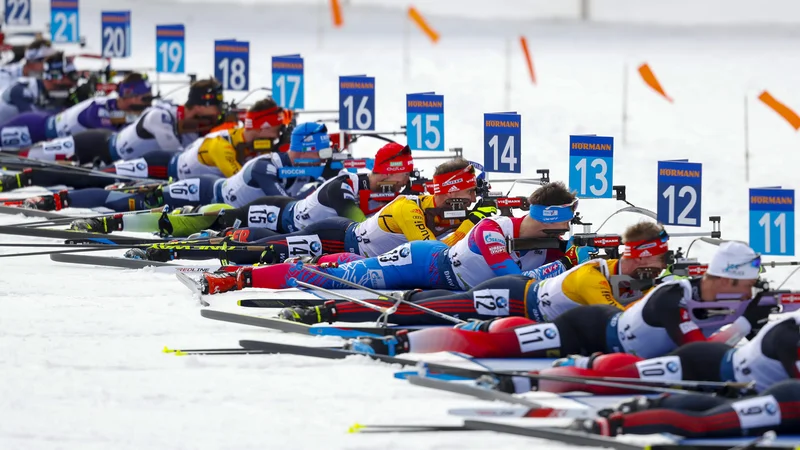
x: 301, y: 266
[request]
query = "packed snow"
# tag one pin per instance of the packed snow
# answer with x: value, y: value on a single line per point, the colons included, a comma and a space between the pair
x: 82, y: 364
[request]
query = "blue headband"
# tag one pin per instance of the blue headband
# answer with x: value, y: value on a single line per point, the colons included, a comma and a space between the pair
x: 554, y: 213
x: 134, y: 89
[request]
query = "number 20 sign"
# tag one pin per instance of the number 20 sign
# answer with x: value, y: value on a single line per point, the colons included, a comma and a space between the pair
x: 591, y: 166
x: 772, y: 221
x: 679, y: 192
x: 502, y: 141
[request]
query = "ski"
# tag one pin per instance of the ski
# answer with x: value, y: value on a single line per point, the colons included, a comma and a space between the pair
x: 31, y: 212
x: 192, y: 283
x: 564, y: 436
x: 288, y: 326
x: 555, y: 407
x: 278, y: 303
x: 67, y: 234
x: 128, y: 263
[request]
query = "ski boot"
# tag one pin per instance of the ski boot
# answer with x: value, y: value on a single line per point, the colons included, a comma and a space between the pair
x: 54, y: 202
x: 219, y: 282
x: 632, y: 405
x: 604, y: 426
x: 389, y: 345
x: 103, y: 224
x: 310, y: 315
x: 15, y: 181
x: 581, y: 362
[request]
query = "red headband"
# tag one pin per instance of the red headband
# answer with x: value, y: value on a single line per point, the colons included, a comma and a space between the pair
x: 645, y: 248
x: 393, y: 158
x: 460, y: 180
x: 263, y: 119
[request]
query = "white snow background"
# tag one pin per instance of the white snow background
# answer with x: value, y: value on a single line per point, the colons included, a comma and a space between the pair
x: 80, y: 348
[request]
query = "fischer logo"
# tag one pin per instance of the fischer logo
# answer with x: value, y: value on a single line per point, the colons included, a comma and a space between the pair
x: 606, y: 241
x: 509, y: 202
x: 697, y: 270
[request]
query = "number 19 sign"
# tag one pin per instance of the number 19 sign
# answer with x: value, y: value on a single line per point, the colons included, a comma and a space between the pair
x: 679, y: 192
x: 425, y: 121
x: 18, y: 12
x: 357, y: 103
x: 116, y: 33
x: 772, y: 221
x: 170, y: 48
x: 64, y: 21
x: 232, y: 64
x: 502, y: 141
x: 287, y: 81
x: 591, y: 165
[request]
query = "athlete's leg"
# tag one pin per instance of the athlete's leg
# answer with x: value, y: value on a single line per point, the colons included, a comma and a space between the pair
x: 24, y: 130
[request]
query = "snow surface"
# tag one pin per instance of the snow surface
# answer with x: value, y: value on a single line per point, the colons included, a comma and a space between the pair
x: 81, y: 363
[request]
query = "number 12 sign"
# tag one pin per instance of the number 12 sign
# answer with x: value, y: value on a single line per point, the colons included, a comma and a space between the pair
x: 287, y: 81
x: 502, y: 141
x: 679, y: 192
x: 591, y: 166
x: 425, y: 121
x: 772, y: 221
x: 357, y: 103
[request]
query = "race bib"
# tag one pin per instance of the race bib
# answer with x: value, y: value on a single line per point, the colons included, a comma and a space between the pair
x: 536, y: 337
x: 491, y: 302
x: 400, y: 256
x: 136, y: 168
x: 62, y: 146
x: 757, y: 412
x: 188, y: 190
x: 666, y: 368
x: 15, y: 137
x: 376, y: 279
x: 263, y: 216
x: 304, y: 245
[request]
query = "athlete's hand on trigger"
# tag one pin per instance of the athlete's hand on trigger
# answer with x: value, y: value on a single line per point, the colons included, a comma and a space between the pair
x: 578, y: 255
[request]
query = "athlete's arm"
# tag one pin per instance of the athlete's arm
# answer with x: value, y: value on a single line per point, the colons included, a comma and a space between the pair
x: 342, y: 198
x: 780, y: 343
x: 664, y: 309
x: 22, y: 98
x: 264, y: 175
x: 161, y: 125
x: 222, y: 155
x: 92, y: 117
x: 459, y: 234
x: 411, y: 220
x: 488, y: 240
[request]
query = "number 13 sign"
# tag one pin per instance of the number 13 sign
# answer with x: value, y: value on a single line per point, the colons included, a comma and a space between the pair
x: 591, y: 166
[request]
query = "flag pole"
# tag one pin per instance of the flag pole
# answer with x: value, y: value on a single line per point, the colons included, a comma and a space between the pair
x: 746, y: 141
x: 625, y: 103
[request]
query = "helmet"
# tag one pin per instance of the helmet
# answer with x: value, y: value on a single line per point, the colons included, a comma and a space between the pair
x: 205, y: 93
x: 311, y: 137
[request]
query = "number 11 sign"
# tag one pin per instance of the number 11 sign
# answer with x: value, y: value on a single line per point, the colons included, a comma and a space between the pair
x: 772, y: 221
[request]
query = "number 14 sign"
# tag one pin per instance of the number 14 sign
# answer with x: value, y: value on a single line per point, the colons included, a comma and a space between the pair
x: 502, y: 141
x: 772, y: 221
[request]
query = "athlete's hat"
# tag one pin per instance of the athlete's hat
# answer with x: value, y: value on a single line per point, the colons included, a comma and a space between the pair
x: 310, y: 137
x: 393, y: 158
x: 735, y: 260
x: 205, y: 93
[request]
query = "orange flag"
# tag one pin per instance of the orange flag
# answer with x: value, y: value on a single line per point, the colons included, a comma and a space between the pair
x: 780, y: 108
x: 336, y: 13
x: 650, y: 79
x: 416, y: 17
x: 528, y: 60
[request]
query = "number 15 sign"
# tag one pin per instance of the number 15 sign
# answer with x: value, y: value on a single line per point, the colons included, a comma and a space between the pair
x: 772, y: 221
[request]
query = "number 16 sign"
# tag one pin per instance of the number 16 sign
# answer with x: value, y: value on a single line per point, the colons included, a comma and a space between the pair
x: 772, y: 221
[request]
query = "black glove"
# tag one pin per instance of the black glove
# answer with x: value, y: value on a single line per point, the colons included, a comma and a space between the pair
x: 758, y: 315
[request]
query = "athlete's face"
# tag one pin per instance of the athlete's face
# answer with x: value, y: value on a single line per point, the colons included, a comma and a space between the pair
x: 199, y: 111
x: 264, y: 133
x: 396, y: 180
x: 729, y: 288
x: 647, y: 267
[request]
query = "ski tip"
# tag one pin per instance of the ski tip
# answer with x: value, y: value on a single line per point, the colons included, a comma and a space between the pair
x: 180, y: 353
x: 355, y: 428
x: 168, y: 350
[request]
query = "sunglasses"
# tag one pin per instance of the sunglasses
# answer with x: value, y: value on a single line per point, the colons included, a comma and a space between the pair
x: 755, y: 262
x: 554, y: 213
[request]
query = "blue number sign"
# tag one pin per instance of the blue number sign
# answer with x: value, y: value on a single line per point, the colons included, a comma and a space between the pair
x: 64, y: 21
x: 115, y: 29
x: 591, y: 166
x: 287, y: 81
x: 18, y: 12
x: 772, y: 221
x: 502, y: 141
x: 425, y: 121
x: 679, y: 192
x: 357, y: 102
x: 170, y: 48
x: 232, y: 64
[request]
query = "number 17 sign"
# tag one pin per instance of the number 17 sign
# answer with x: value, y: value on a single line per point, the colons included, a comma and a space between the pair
x: 772, y: 221
x: 502, y: 141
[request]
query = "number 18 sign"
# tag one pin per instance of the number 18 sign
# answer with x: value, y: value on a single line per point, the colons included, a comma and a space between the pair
x: 591, y: 166
x: 502, y: 141
x: 772, y: 221
x: 425, y: 121
x: 232, y: 64
x: 679, y: 192
x: 287, y: 81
